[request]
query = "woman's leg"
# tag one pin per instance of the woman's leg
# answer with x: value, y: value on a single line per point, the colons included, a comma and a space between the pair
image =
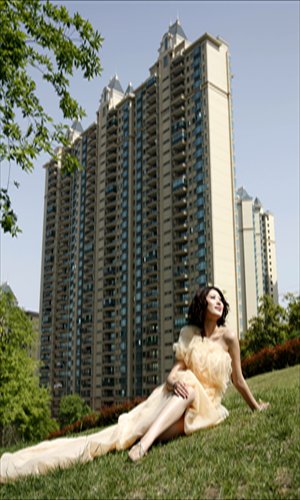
x: 170, y: 415
x: 175, y: 430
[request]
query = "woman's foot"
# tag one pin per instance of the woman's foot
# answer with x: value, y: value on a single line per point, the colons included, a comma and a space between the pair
x: 137, y: 452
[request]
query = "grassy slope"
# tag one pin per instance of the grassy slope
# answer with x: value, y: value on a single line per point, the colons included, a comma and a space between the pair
x: 250, y: 455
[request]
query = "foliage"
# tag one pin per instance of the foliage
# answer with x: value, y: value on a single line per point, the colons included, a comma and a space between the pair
x: 293, y: 314
x: 267, y: 329
x: 108, y: 415
x: 72, y: 408
x: 25, y: 406
x: 39, y: 36
x: 250, y: 455
x: 268, y: 359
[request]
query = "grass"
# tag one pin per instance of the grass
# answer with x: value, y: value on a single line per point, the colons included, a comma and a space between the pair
x: 249, y: 456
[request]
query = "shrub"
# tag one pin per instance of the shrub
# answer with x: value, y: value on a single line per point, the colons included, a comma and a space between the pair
x: 268, y: 359
x: 72, y: 408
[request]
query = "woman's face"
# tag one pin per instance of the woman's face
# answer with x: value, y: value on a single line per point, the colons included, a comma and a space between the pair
x: 214, y: 304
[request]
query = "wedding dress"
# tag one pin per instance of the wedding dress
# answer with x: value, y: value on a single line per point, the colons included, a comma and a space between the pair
x: 208, y: 373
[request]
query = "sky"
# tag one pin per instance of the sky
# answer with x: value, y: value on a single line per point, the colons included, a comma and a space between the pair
x: 263, y: 39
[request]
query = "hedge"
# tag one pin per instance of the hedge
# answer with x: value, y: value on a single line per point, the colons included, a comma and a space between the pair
x: 272, y: 358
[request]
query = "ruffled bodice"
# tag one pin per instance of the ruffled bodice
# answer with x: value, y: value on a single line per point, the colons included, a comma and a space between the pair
x: 206, y: 359
x: 208, y: 370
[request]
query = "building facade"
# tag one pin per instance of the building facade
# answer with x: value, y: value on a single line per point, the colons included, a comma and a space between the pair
x: 257, y: 255
x: 66, y: 303
x: 150, y: 218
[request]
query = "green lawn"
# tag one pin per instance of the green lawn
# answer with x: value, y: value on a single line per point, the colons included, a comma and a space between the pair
x: 250, y: 455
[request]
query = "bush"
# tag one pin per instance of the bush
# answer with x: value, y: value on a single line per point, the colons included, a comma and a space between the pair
x: 72, y: 408
x: 31, y: 420
x: 275, y: 358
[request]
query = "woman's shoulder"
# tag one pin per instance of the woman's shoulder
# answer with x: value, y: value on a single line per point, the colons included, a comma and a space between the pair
x: 188, y: 331
x: 228, y: 335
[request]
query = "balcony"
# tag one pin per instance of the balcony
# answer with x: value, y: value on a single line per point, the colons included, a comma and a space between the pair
x: 151, y: 150
x: 152, y: 159
x: 110, y: 271
x: 112, y: 123
x: 150, y: 270
x: 180, y: 273
x: 111, y: 189
x: 179, y: 238
x: 178, y: 111
x: 179, y: 202
x: 179, y: 156
x: 179, y: 167
x: 178, y: 141
x: 180, y: 183
x: 151, y: 236
x: 111, y: 141
x: 177, y: 76
x: 111, y: 154
x: 181, y: 249
x: 181, y: 299
x: 151, y: 126
x: 178, y: 101
x: 177, y: 64
x: 177, y: 89
x: 151, y: 98
x: 110, y: 247
x: 111, y: 202
x: 151, y: 171
x: 151, y: 84
x: 182, y: 287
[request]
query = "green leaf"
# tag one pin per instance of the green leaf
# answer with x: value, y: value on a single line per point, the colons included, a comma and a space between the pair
x: 36, y: 34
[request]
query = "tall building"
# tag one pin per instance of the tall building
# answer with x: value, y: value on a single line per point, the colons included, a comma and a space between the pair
x: 128, y: 240
x: 257, y: 255
x: 67, y: 299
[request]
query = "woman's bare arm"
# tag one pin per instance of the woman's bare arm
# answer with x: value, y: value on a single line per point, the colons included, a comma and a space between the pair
x: 237, y: 375
x: 178, y: 388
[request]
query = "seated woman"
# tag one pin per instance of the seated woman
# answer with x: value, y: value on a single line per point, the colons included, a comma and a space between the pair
x: 207, y: 354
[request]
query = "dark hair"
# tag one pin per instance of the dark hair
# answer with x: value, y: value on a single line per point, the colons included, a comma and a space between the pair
x: 197, y: 309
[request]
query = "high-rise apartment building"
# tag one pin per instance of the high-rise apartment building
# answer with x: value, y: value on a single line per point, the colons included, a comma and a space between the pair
x: 257, y: 255
x: 67, y: 298
x: 128, y: 240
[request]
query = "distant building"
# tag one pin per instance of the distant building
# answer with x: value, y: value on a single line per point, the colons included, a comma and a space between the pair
x: 150, y: 218
x: 34, y: 317
x: 257, y: 255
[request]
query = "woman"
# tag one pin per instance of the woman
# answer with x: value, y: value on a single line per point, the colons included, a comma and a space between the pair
x: 206, y: 353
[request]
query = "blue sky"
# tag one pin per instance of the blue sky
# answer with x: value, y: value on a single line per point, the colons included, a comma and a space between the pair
x: 264, y: 44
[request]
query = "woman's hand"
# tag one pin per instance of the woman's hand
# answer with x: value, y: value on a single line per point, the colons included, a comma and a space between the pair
x: 181, y: 389
x: 262, y: 406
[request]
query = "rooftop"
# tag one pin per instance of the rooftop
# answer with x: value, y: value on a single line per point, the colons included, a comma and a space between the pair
x: 176, y: 29
x: 115, y: 84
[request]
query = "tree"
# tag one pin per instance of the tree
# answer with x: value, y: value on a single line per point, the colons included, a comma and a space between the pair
x: 267, y: 329
x: 39, y: 36
x: 293, y: 314
x: 25, y: 406
x: 72, y: 408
